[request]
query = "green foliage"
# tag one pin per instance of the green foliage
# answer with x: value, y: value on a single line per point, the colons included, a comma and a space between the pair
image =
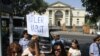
x: 90, y: 20
x: 23, y: 7
x: 93, y: 7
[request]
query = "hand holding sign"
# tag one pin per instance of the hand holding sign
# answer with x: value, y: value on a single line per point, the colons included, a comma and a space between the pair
x: 35, y: 38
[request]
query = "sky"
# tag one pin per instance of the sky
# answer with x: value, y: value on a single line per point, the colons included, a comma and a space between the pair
x: 73, y: 3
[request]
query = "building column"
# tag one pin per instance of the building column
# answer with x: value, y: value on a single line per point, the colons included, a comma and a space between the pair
x: 63, y: 19
x: 53, y: 18
x: 70, y: 17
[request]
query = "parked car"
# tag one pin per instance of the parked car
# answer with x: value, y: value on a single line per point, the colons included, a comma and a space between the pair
x: 45, y: 44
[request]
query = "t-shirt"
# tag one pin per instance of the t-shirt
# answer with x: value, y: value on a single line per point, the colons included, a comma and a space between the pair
x: 54, y: 41
x: 94, y: 49
x: 74, y: 52
x: 24, y: 43
x: 27, y: 52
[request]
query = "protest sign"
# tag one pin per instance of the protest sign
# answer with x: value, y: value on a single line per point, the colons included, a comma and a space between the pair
x: 37, y: 25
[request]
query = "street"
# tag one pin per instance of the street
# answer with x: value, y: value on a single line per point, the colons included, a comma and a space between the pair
x: 84, y: 40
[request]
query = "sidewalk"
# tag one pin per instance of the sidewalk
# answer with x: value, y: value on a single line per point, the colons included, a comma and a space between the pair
x: 72, y: 33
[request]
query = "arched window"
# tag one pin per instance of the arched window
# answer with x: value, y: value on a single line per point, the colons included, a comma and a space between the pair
x: 58, y: 14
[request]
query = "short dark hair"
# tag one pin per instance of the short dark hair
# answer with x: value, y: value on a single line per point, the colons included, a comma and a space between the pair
x: 25, y: 31
x: 96, y: 38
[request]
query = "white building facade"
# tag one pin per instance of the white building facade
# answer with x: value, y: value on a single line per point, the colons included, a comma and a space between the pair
x: 60, y: 13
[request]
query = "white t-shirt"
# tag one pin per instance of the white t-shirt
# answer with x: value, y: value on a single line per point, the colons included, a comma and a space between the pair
x: 24, y: 43
x: 27, y: 52
x: 74, y: 52
x: 54, y: 41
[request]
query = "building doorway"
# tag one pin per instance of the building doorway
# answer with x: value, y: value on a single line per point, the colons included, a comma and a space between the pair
x: 58, y: 17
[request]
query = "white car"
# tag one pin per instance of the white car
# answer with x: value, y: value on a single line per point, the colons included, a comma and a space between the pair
x: 98, y: 33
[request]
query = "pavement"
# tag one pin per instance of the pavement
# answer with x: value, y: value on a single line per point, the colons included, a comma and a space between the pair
x: 71, y: 33
x: 84, y: 39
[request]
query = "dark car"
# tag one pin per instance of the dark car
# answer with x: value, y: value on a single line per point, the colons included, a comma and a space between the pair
x: 45, y: 44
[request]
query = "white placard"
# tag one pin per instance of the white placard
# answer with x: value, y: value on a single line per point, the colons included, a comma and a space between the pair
x: 37, y: 25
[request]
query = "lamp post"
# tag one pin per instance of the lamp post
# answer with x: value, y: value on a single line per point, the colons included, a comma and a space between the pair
x: 0, y: 30
x: 0, y: 38
x: 11, y: 29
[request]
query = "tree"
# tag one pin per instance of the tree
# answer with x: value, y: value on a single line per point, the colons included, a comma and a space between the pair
x: 89, y: 19
x: 93, y: 7
x: 23, y: 7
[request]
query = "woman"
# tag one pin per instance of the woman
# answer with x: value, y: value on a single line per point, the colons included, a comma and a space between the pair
x: 32, y: 49
x: 58, y: 49
x: 74, y: 50
x: 14, y: 49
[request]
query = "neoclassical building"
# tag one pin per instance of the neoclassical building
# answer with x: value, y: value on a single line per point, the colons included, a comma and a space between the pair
x: 60, y: 13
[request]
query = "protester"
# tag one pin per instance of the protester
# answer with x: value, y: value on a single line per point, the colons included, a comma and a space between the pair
x: 58, y: 49
x: 95, y: 47
x: 25, y: 40
x: 74, y: 50
x: 32, y: 49
x: 14, y: 49
x: 56, y: 38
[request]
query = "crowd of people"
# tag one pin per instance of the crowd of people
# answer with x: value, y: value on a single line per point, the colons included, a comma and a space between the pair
x: 30, y: 47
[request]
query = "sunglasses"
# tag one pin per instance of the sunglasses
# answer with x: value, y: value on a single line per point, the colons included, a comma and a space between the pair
x: 58, y: 50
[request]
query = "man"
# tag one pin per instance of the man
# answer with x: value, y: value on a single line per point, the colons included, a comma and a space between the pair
x: 56, y: 38
x: 95, y: 47
x: 25, y: 40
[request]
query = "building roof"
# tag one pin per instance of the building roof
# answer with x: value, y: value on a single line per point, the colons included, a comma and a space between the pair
x: 58, y: 2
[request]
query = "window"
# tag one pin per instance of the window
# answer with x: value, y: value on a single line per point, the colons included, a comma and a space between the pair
x: 50, y: 22
x: 77, y: 21
x: 66, y: 13
x: 66, y: 20
x: 59, y: 14
x: 50, y: 18
x: 4, y: 23
x: 77, y: 13
x: 50, y: 13
x: 17, y: 22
